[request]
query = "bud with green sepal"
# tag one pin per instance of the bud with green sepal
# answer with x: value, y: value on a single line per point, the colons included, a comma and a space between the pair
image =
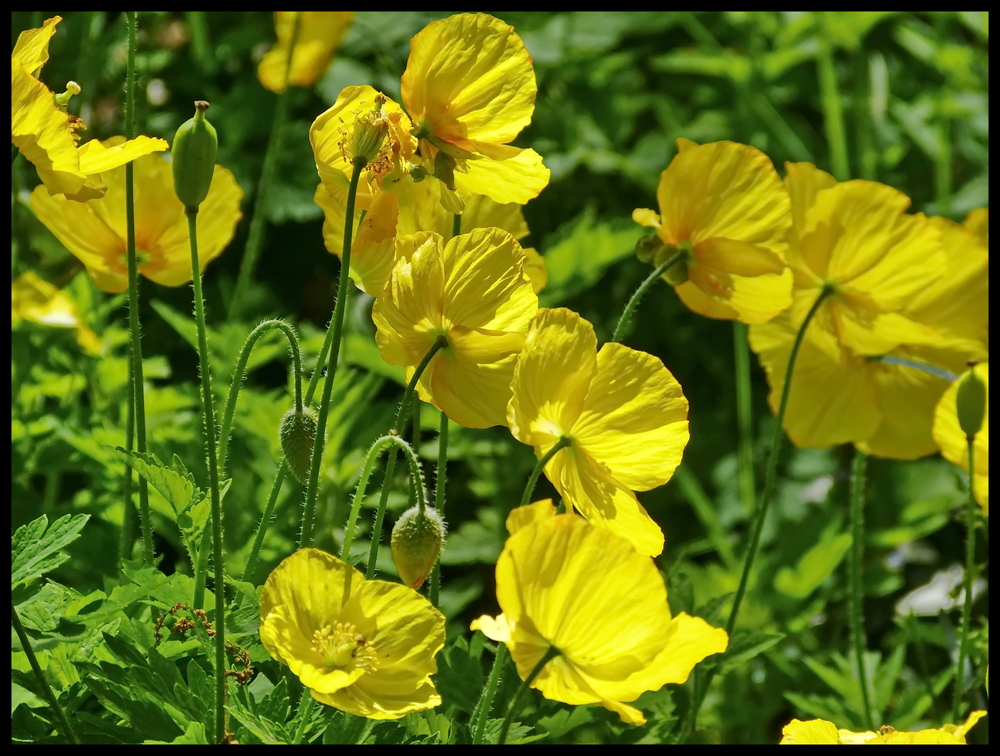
x: 195, y: 148
x: 298, y: 434
x: 970, y: 403
x: 416, y: 543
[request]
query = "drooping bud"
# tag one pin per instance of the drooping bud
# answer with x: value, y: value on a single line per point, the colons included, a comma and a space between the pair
x: 970, y: 403
x: 195, y: 148
x: 298, y: 435
x: 647, y: 246
x: 416, y: 543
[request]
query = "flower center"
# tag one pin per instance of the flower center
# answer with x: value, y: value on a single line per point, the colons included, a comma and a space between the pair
x: 343, y: 647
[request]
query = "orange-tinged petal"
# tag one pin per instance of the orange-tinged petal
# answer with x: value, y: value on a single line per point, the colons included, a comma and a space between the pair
x: 318, y: 37
x: 716, y: 293
x: 634, y: 419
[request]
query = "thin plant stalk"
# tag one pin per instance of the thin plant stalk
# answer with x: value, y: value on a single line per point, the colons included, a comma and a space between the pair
x: 833, y: 113
x: 22, y: 636
x: 456, y: 224
x: 760, y: 515
x: 439, y: 501
x: 337, y: 325
x: 855, y: 587
x: 485, y: 703
x: 633, y: 303
x: 213, y: 477
x: 515, y: 703
x: 135, y: 374
x: 970, y: 565
x: 744, y: 415
x: 125, y: 536
x: 562, y: 443
x: 304, y: 715
x: 258, y: 221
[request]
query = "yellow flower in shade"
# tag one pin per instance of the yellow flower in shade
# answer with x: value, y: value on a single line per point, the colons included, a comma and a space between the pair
x: 473, y: 291
x: 38, y: 301
x: 469, y: 86
x: 951, y: 439
x: 366, y: 647
x: 724, y: 205
x: 95, y: 231
x: 821, y: 732
x: 840, y: 395
x: 624, y: 416
x: 564, y: 583
x: 978, y: 222
x: 47, y: 135
x: 316, y: 40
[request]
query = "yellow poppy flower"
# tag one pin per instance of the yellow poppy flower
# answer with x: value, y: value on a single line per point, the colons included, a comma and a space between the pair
x: 95, y: 231
x: 37, y: 301
x: 473, y: 291
x: 469, y: 86
x: 623, y: 413
x: 978, y: 222
x: 564, y: 583
x: 724, y: 204
x: 886, y: 409
x: 821, y: 732
x: 47, y: 135
x: 366, y: 647
x: 319, y: 34
x: 951, y: 441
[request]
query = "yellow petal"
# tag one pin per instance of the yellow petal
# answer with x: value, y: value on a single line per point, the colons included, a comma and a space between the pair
x: 319, y: 34
x: 811, y: 732
x: 384, y: 697
x: 310, y: 584
x: 634, y: 419
x: 517, y: 179
x: 494, y: 628
x: 32, y: 48
x: 960, y: 731
x: 952, y: 442
x: 521, y: 517
x: 978, y: 222
x: 95, y: 157
x: 803, y: 182
x: 715, y: 290
x: 535, y: 270
x: 646, y: 217
x: 373, y: 250
x: 38, y: 301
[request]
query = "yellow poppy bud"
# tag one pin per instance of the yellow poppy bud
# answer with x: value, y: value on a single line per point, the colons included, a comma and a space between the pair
x: 194, y: 151
x: 416, y: 543
x: 298, y: 434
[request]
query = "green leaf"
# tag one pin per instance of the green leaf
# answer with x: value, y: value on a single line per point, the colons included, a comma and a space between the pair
x: 815, y: 566
x: 35, y: 548
x: 746, y: 644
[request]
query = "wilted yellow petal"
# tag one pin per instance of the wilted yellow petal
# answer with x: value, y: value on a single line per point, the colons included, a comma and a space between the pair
x: 318, y: 36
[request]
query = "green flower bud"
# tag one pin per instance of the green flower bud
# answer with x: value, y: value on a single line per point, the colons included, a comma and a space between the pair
x: 647, y: 246
x: 418, y: 173
x: 416, y: 543
x: 195, y: 148
x: 298, y: 434
x: 971, y: 401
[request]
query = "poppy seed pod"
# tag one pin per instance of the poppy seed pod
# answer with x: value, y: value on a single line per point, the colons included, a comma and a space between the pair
x: 194, y: 151
x: 298, y: 435
x: 416, y: 543
x: 970, y: 403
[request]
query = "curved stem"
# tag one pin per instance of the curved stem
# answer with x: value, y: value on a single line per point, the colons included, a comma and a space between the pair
x: 239, y: 374
x: 970, y: 564
x: 562, y: 443
x: 213, y: 476
x: 760, y: 515
x: 633, y: 303
x: 305, y: 712
x: 550, y: 654
x: 482, y: 710
x: 22, y: 636
x: 857, y: 507
x: 135, y: 375
x: 439, y: 501
x: 258, y: 221
x: 744, y: 415
x: 439, y: 343
x: 337, y: 324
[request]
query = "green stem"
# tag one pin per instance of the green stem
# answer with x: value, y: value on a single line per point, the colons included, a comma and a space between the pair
x: 135, y: 375
x: 439, y: 501
x: 305, y: 712
x: 633, y: 303
x: 213, y: 477
x: 239, y: 375
x: 439, y: 343
x: 857, y: 507
x: 125, y: 536
x: 833, y: 115
x: 456, y: 224
x: 760, y: 515
x: 258, y: 221
x: 942, y: 167
x: 482, y: 710
x: 22, y: 636
x: 550, y: 654
x: 337, y: 324
x: 864, y: 126
x: 744, y: 415
x: 562, y: 443
x: 970, y: 564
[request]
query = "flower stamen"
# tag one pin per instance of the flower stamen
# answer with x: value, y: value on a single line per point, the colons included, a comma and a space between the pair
x: 343, y: 647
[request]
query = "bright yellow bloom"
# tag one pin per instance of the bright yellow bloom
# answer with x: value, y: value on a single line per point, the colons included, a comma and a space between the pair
x: 821, y: 732
x: 318, y: 36
x: 95, y: 231
x: 623, y: 413
x: 469, y: 86
x: 562, y: 582
x: 724, y: 204
x: 472, y: 290
x: 978, y: 222
x: 47, y: 135
x: 38, y: 301
x: 366, y: 647
x: 839, y: 394
x: 951, y: 440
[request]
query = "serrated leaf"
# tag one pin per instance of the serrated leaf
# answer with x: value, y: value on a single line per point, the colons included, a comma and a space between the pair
x: 35, y: 548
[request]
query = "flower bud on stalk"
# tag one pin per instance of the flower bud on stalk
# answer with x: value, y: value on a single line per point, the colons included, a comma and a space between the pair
x: 416, y: 543
x: 298, y: 434
x: 970, y: 403
x: 194, y: 151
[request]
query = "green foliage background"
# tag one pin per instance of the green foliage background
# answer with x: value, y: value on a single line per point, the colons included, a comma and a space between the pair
x: 615, y: 91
